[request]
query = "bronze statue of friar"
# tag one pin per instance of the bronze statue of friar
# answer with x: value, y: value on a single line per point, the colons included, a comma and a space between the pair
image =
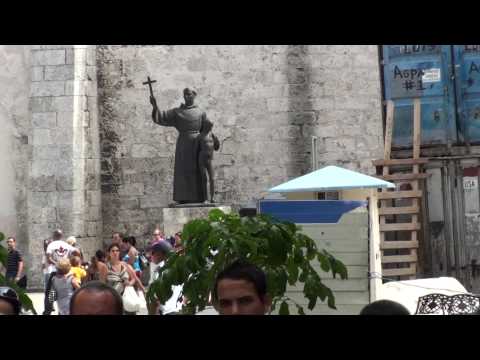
x: 191, y: 163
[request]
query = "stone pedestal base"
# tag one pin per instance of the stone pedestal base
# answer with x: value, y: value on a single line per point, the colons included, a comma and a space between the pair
x: 174, y: 218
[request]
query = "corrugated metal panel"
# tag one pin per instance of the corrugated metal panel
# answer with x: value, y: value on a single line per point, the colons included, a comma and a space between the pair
x: 421, y: 71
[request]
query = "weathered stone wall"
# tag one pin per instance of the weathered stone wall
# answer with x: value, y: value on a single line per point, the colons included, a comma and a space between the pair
x: 265, y: 101
x: 64, y: 182
x: 14, y: 141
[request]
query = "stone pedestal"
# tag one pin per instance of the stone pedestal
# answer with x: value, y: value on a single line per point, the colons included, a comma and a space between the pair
x: 175, y: 217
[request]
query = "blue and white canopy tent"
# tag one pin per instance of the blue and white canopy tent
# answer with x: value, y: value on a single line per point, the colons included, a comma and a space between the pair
x: 335, y: 224
x: 331, y: 178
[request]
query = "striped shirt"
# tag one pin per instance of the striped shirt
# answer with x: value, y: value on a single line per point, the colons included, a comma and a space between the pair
x: 13, y: 259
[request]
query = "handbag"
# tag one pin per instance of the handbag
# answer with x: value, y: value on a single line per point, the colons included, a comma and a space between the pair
x: 131, y: 301
x: 142, y: 302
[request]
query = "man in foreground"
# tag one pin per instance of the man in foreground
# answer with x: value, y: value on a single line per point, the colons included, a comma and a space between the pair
x: 241, y: 289
x: 96, y: 298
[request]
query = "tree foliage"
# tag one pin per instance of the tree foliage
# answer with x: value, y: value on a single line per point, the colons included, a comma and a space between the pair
x: 279, y: 248
x: 26, y: 302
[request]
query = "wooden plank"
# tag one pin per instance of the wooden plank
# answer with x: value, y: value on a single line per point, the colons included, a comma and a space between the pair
x: 398, y: 210
x: 392, y: 162
x: 403, y: 176
x: 399, y: 272
x: 399, y: 259
x: 415, y: 202
x: 389, y: 129
x: 400, y: 227
x: 399, y: 245
x: 416, y: 128
x: 400, y: 194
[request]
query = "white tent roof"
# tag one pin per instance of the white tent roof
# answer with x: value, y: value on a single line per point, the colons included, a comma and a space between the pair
x: 331, y: 178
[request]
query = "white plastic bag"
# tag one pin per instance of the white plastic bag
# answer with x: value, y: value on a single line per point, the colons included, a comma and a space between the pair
x: 142, y: 302
x: 131, y: 302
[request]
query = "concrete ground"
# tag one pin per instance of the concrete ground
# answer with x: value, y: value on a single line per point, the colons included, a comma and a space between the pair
x: 37, y: 299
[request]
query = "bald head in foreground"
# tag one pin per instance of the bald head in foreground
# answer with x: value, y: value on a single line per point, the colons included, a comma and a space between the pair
x: 96, y: 298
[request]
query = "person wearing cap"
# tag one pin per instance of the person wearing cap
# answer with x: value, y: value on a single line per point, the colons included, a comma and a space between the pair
x: 187, y: 119
x: 9, y: 301
x: 160, y: 252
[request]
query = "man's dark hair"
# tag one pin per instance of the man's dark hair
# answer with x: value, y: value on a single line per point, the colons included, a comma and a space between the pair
x: 120, y: 235
x: 100, y: 255
x: 131, y: 240
x: 385, y: 307
x: 243, y: 270
x: 57, y: 234
x: 99, y: 287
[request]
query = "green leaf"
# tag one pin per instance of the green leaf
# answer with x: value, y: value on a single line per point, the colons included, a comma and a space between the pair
x: 300, y: 310
x: 284, y: 310
x: 278, y: 250
x: 341, y: 269
x: 216, y: 215
x: 303, y: 276
x: 298, y: 256
x: 2, y: 236
x: 324, y: 262
x: 312, y: 302
x: 292, y: 271
x: 331, y: 300
x: 3, y: 255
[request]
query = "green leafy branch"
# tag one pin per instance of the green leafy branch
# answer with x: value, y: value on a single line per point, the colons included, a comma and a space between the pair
x: 278, y: 247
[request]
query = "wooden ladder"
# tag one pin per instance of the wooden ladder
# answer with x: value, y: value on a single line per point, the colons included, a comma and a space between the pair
x: 399, y: 256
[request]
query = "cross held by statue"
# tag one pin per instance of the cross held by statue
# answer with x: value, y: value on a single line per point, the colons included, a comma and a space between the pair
x: 149, y: 82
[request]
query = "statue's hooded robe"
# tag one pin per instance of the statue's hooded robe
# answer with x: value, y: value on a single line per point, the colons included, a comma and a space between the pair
x: 187, y: 186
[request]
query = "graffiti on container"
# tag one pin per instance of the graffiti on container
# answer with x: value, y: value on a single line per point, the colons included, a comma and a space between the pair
x: 411, y: 78
x: 476, y: 112
x: 474, y: 68
x: 472, y: 48
x: 411, y: 49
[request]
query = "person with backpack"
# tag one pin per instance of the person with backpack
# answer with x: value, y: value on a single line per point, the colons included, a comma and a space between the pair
x: 132, y: 256
x: 64, y: 284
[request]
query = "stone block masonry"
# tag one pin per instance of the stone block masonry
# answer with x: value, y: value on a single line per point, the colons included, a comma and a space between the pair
x: 65, y: 162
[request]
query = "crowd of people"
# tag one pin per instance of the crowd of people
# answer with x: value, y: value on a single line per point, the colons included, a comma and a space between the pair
x: 119, y: 266
x: 98, y: 287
